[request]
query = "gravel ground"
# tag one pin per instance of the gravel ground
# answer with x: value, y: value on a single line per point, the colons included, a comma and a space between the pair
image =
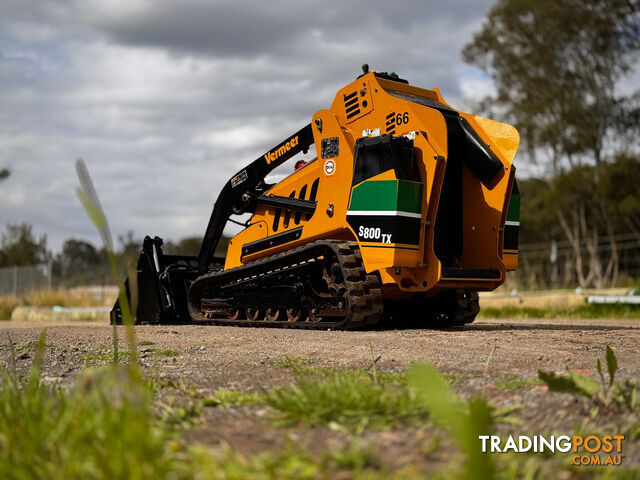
x: 485, y: 352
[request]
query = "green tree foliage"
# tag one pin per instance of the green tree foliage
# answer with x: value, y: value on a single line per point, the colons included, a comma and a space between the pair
x: 186, y: 246
x: 80, y: 263
x: 556, y: 64
x: 588, y: 211
x: 577, y: 189
x: 19, y: 246
x: 4, y: 173
x: 78, y: 256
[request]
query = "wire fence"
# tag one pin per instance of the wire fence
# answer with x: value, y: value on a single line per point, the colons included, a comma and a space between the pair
x: 594, y: 262
x: 20, y: 280
x: 598, y: 262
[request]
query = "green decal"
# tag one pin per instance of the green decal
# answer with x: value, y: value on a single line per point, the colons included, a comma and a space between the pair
x: 387, y: 195
x: 513, y: 213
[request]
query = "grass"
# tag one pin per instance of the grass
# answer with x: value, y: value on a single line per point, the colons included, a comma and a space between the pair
x: 353, y: 400
x: 462, y: 421
x: 457, y: 378
x: 144, y: 343
x: 104, y: 355
x: 224, y: 397
x: 606, y: 393
x: 293, y: 363
x: 102, y: 428
x: 294, y: 462
x: 301, y: 367
x: 514, y: 382
x: 580, y: 311
x: 101, y: 356
x: 108, y: 426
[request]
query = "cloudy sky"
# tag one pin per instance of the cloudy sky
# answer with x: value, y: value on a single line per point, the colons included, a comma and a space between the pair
x: 166, y: 100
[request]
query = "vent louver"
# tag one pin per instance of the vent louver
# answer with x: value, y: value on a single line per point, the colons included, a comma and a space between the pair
x: 351, y: 105
x: 391, y: 123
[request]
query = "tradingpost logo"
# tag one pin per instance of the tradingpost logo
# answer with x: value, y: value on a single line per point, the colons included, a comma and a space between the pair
x: 588, y: 450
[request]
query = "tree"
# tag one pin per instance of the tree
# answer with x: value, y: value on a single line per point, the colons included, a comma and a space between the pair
x: 4, y: 173
x: 78, y: 256
x: 556, y: 64
x: 597, y: 218
x: 192, y: 245
x: 186, y: 246
x: 18, y: 247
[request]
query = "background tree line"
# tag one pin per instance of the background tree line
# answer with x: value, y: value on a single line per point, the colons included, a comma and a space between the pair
x: 558, y: 68
x: 79, y: 262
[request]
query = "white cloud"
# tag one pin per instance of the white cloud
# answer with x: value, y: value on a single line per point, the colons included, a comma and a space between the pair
x: 165, y: 101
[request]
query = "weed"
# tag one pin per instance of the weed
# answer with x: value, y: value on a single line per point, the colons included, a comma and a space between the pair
x: 101, y: 356
x: 514, y: 382
x: 155, y: 383
x: 144, y: 343
x: 224, y: 397
x: 179, y: 413
x: 604, y: 394
x: 292, y: 463
x: 463, y: 421
x: 351, y: 400
x: 160, y: 352
x: 102, y: 428
x: 456, y: 378
x: 300, y: 367
x: 353, y: 457
x: 106, y: 426
x: 89, y: 199
x: 31, y: 346
x: 293, y: 363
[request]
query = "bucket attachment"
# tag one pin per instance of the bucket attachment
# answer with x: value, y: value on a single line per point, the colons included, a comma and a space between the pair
x: 162, y: 284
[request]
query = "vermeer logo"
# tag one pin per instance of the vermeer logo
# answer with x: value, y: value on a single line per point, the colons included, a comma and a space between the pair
x: 271, y: 156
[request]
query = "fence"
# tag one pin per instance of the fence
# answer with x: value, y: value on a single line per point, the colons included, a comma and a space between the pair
x: 19, y: 280
x: 606, y: 261
x: 598, y: 262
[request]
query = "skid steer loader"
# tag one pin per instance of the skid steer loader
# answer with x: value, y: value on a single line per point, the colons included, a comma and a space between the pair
x: 409, y: 209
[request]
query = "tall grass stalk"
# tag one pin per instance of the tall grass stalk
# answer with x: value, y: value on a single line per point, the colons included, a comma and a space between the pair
x: 91, y: 203
x: 463, y: 421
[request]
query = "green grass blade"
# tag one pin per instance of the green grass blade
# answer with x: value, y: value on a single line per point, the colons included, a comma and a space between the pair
x: 463, y: 422
x: 561, y: 384
x: 91, y: 203
x: 584, y: 383
x: 612, y: 364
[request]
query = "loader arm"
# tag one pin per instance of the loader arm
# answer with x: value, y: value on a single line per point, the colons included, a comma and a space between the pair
x: 242, y: 191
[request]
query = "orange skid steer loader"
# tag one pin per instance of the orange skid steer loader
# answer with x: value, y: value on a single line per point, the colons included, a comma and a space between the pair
x: 409, y: 209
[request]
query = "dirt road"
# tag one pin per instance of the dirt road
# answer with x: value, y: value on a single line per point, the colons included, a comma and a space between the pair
x: 212, y: 356
x: 482, y: 354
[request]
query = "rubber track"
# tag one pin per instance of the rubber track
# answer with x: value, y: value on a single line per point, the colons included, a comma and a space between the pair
x: 467, y: 306
x: 363, y: 290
